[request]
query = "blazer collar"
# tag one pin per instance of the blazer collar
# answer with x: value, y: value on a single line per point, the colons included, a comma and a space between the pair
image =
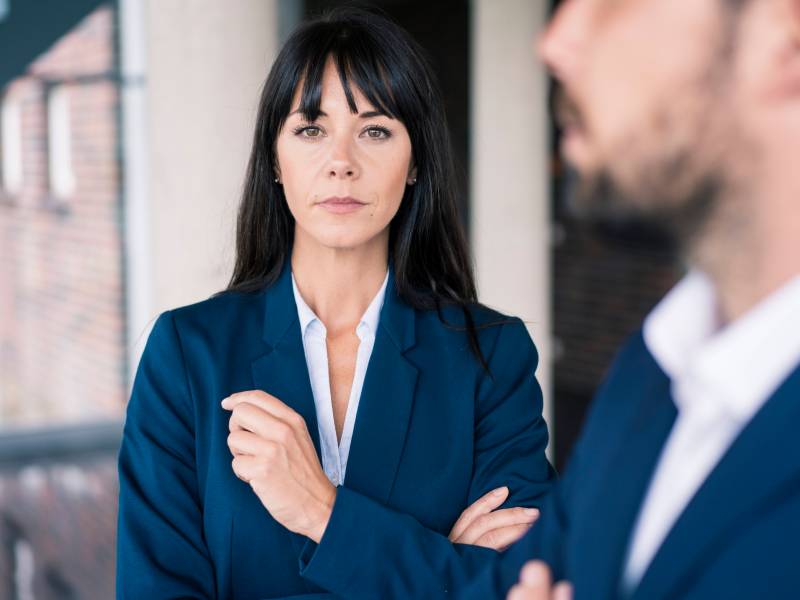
x: 616, y: 487
x: 397, y: 317
x: 280, y: 311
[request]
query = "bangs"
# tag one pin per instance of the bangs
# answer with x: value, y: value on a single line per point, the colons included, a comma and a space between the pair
x: 359, y: 62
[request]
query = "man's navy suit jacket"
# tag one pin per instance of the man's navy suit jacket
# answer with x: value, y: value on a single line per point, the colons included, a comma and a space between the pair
x: 739, y: 537
x: 433, y: 433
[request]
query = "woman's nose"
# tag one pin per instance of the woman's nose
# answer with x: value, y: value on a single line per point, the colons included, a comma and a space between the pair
x: 342, y: 163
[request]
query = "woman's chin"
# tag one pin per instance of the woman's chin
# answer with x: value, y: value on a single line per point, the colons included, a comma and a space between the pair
x: 345, y: 240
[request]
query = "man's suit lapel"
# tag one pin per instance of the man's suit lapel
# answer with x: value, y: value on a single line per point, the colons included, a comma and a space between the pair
x: 763, y: 460
x: 611, y: 508
x: 386, y: 401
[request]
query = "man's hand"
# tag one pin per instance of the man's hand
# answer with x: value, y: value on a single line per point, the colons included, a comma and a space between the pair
x: 481, y: 525
x: 536, y: 583
x: 273, y: 452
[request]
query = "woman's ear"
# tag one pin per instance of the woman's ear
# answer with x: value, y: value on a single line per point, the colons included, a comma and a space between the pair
x: 277, y: 172
x: 412, y: 176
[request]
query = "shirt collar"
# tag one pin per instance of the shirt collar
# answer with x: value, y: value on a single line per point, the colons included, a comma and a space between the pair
x: 743, y: 362
x: 369, y: 320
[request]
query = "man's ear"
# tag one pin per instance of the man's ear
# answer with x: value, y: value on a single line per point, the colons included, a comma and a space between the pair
x: 794, y: 20
x: 788, y: 65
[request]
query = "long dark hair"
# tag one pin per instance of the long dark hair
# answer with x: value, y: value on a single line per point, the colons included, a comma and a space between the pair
x: 427, y: 245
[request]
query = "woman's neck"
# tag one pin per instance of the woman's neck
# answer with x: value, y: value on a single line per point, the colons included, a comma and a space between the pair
x: 338, y: 284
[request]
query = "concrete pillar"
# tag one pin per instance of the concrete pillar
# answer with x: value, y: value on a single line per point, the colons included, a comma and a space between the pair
x: 195, y: 68
x: 510, y: 216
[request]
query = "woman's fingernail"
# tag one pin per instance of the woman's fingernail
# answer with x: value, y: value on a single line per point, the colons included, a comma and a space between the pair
x: 499, y: 491
x: 532, y: 512
x: 224, y: 400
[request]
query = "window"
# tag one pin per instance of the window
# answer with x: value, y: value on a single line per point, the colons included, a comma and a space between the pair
x: 59, y: 143
x: 11, y: 145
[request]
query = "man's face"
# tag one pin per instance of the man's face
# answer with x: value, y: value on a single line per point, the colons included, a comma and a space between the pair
x: 648, y: 105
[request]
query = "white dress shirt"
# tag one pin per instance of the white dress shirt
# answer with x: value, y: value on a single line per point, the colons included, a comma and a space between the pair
x: 334, y: 455
x: 720, y: 378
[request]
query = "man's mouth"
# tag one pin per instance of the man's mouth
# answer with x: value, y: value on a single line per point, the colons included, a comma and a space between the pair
x: 566, y: 112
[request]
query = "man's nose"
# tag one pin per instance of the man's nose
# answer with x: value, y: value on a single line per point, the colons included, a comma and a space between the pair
x: 561, y: 44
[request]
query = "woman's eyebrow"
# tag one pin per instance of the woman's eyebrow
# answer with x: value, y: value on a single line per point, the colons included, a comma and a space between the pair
x: 364, y: 115
x: 373, y: 113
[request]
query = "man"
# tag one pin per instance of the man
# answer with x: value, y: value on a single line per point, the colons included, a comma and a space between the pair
x: 685, y: 482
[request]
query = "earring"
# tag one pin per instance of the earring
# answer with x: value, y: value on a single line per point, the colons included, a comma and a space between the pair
x: 412, y: 181
x: 277, y: 180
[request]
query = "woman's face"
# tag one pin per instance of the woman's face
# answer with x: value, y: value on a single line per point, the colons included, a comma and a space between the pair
x: 344, y: 174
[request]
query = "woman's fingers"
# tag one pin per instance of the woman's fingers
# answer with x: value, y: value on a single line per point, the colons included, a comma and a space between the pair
x: 247, y: 467
x: 253, y: 418
x: 501, y: 538
x: 507, y: 517
x: 264, y: 401
x: 269, y: 418
x: 248, y: 443
x: 485, y: 504
x: 247, y: 417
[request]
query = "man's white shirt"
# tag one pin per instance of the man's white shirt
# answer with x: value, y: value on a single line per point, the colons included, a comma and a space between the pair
x: 720, y: 378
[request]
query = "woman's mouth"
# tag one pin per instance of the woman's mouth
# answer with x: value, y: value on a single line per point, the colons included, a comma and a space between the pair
x: 341, y: 205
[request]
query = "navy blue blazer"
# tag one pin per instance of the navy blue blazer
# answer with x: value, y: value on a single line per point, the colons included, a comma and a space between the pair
x: 433, y: 433
x: 739, y: 537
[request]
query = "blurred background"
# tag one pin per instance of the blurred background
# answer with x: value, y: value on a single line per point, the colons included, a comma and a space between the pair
x: 125, y: 128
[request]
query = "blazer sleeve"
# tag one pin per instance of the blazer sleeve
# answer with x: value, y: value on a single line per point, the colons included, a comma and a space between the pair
x: 161, y: 552
x: 544, y: 541
x: 548, y: 539
x: 369, y: 550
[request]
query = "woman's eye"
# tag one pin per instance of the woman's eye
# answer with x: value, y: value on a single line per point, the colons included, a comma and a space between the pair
x: 377, y: 133
x: 308, y: 131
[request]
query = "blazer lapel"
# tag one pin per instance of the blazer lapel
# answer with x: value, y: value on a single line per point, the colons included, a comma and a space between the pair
x: 282, y: 370
x: 601, y: 540
x: 384, y: 410
x: 762, y: 460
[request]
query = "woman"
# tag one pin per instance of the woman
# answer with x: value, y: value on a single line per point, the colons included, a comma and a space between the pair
x: 319, y: 427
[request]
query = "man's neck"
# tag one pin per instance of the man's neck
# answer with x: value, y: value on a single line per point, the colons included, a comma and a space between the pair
x: 749, y: 262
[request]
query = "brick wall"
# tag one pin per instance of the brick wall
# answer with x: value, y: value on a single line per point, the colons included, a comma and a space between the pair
x: 57, y: 529
x: 604, y: 284
x: 62, y: 340
x: 61, y: 298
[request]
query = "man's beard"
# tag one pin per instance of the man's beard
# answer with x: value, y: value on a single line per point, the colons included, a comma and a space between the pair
x: 678, y: 172
x: 656, y: 208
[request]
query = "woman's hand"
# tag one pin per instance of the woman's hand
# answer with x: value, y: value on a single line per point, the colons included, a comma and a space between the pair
x: 273, y: 452
x: 481, y: 525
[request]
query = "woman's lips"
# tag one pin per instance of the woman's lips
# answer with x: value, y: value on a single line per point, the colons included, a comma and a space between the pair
x: 341, y: 205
